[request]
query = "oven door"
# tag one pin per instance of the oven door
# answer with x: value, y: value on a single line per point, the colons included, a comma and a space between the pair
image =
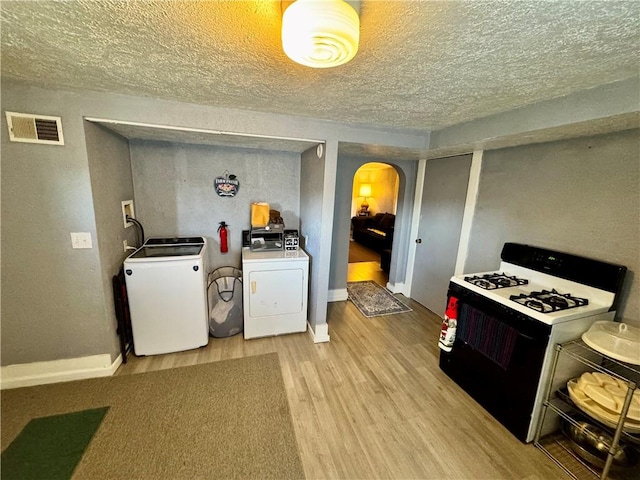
x: 504, y: 385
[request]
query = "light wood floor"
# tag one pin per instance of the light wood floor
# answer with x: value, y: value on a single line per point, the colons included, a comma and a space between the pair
x: 360, y: 271
x: 372, y: 403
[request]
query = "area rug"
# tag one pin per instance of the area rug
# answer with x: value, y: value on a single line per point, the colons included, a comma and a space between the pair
x: 373, y: 300
x: 359, y: 253
x: 50, y: 447
x: 227, y: 419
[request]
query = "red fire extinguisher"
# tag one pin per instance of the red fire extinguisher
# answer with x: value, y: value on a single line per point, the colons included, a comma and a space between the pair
x: 224, y: 247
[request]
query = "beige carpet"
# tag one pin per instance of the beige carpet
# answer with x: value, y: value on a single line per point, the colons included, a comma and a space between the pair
x: 228, y: 419
x: 360, y: 253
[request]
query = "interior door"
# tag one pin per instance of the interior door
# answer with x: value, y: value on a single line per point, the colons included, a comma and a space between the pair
x: 441, y: 212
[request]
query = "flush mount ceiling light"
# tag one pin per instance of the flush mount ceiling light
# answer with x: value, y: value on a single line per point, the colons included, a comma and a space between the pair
x: 320, y: 33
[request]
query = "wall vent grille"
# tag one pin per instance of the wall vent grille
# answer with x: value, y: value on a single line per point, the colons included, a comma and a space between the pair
x: 24, y: 127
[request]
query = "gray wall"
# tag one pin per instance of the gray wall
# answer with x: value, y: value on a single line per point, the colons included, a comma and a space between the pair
x: 312, y: 178
x: 174, y: 194
x: 111, y: 183
x: 407, y: 172
x: 443, y: 202
x: 580, y: 196
x: 53, y: 305
x: 53, y: 297
x: 347, y: 168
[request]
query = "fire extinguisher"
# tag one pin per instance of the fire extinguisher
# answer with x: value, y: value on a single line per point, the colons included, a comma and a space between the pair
x: 449, y: 325
x: 224, y: 247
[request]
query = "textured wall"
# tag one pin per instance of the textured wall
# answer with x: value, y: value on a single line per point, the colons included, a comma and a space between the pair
x: 111, y: 183
x: 52, y: 295
x: 312, y: 176
x: 384, y: 189
x: 175, y: 196
x: 443, y: 200
x: 54, y: 301
x: 580, y: 196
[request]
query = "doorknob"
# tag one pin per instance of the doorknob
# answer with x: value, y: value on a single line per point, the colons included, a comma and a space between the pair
x: 418, y: 240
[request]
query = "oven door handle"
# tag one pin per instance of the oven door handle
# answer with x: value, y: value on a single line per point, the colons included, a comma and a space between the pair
x: 526, y: 337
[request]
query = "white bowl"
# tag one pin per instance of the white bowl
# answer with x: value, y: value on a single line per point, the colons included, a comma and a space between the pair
x: 616, y: 340
x: 595, y: 410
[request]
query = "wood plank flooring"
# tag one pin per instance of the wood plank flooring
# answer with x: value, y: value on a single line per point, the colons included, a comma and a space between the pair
x: 372, y: 403
x: 360, y: 271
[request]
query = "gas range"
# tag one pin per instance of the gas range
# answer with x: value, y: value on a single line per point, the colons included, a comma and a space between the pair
x: 544, y: 297
x: 507, y: 322
x: 544, y: 301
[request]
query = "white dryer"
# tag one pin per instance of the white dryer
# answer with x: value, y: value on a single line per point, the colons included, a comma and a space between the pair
x: 166, y: 282
x: 275, y: 289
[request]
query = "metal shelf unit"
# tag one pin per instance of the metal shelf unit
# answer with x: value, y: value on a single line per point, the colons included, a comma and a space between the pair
x: 555, y: 444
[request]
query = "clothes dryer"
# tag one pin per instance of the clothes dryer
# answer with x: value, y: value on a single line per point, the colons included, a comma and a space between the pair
x: 167, y: 292
x: 274, y: 292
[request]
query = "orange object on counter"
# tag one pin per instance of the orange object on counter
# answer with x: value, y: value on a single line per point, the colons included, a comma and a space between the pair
x: 259, y: 214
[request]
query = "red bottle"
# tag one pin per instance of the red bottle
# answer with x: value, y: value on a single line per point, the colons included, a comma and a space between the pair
x: 449, y: 325
x: 224, y: 247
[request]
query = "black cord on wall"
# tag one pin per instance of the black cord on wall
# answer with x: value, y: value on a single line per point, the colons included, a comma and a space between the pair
x: 140, y: 228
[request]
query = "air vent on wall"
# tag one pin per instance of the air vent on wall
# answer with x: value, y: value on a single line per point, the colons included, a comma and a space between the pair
x: 28, y: 128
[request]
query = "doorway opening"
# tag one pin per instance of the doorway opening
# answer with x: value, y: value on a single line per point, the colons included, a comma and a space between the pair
x: 374, y: 200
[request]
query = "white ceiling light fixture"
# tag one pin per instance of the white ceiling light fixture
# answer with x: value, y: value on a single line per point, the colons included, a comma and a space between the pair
x: 320, y: 33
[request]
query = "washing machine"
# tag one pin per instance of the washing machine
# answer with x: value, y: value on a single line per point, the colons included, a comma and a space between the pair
x: 166, y: 282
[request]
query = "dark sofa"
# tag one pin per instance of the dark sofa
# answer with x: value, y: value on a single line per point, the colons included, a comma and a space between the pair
x: 374, y: 232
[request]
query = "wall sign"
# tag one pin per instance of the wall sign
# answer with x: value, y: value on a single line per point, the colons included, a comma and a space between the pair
x: 226, y: 185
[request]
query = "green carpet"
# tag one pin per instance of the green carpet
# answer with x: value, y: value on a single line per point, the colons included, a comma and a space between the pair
x: 51, y: 447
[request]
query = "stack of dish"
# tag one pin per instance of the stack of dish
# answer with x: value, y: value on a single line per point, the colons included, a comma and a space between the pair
x: 593, y: 444
x: 616, y: 340
x: 601, y: 396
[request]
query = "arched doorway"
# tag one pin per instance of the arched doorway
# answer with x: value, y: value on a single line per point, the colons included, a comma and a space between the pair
x: 374, y: 200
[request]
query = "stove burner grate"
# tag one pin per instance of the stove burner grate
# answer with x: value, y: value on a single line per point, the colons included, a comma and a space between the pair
x: 491, y: 281
x: 547, y: 301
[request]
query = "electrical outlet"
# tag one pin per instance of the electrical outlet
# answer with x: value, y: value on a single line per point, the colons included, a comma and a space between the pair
x: 127, y: 211
x: 81, y: 240
x: 126, y: 246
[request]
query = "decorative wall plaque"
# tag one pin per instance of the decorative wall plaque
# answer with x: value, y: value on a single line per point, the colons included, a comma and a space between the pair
x: 226, y: 185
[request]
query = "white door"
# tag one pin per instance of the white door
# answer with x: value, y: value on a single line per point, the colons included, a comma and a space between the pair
x: 441, y: 212
x: 276, y: 292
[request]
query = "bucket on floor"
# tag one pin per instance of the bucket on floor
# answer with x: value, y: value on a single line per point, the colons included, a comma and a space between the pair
x: 224, y: 290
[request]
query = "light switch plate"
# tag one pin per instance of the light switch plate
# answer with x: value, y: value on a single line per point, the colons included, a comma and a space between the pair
x: 81, y: 240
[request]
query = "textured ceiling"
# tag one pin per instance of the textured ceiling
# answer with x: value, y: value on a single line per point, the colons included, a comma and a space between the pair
x: 421, y: 64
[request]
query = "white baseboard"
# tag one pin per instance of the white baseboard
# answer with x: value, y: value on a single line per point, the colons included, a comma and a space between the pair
x: 321, y: 335
x: 398, y: 288
x: 337, y: 295
x: 41, y: 373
